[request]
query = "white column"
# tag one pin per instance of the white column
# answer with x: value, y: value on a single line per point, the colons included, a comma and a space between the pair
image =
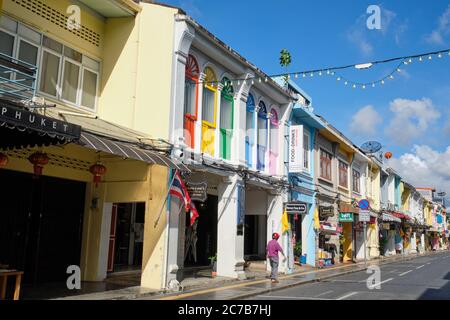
x: 239, y: 129
x: 268, y: 137
x: 230, y: 246
x: 175, y: 250
x: 184, y: 36
x: 217, y: 134
x: 274, y: 215
x: 198, y: 123
x: 255, y: 140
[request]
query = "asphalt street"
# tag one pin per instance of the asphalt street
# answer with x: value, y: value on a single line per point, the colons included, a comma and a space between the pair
x: 423, y: 278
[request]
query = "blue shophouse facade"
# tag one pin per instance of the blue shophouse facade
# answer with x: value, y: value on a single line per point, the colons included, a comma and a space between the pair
x: 302, y: 184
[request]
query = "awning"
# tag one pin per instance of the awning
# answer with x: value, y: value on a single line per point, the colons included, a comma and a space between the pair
x: 390, y: 218
x: 401, y: 215
x: 128, y: 150
x: 21, y: 128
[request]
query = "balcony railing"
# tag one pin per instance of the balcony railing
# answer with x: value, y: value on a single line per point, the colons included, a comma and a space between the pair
x: 17, y: 79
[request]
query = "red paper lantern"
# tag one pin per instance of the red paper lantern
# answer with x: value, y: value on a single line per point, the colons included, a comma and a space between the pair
x: 98, y: 170
x: 388, y: 155
x: 39, y: 160
x: 3, y: 160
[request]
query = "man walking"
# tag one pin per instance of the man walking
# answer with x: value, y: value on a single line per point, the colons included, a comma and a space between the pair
x: 273, y: 247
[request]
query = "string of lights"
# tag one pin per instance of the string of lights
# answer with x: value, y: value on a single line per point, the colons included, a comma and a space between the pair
x: 332, y: 71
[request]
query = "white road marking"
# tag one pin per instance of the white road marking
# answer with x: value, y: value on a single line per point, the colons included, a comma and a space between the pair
x: 420, y: 266
x: 294, y: 298
x: 324, y: 293
x: 380, y: 283
x: 402, y: 274
x: 428, y: 262
x: 347, y: 296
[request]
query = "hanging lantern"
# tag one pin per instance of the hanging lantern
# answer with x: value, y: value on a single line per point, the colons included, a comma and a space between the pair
x: 3, y: 160
x: 98, y: 170
x: 39, y: 160
x: 388, y: 155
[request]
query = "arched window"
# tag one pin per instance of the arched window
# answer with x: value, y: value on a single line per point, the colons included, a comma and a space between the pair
x: 250, y: 127
x: 226, y: 118
x: 209, y: 111
x: 262, y: 136
x: 190, y: 99
x: 274, y: 136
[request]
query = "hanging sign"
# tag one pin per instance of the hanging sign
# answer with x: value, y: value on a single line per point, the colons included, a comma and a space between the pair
x: 364, y: 204
x: 346, y: 217
x: 364, y: 216
x: 325, y: 212
x: 197, y: 191
x: 295, y: 149
x: 296, y: 207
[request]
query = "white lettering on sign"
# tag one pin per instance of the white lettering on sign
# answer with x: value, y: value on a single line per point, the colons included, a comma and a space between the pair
x: 295, y: 149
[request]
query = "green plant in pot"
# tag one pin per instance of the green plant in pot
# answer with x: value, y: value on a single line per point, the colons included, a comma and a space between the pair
x: 298, y: 249
x: 213, y: 262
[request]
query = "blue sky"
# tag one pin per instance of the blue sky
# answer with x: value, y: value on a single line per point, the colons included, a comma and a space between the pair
x: 407, y: 115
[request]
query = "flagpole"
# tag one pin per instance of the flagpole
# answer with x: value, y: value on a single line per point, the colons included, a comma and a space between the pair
x: 165, y: 199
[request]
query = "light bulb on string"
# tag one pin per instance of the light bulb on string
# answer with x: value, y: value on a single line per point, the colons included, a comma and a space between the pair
x: 391, y: 77
x: 265, y: 80
x: 440, y: 55
x: 320, y: 73
x: 430, y: 58
x: 328, y: 71
x: 239, y: 83
x: 363, y: 86
x: 346, y: 82
x: 382, y: 81
x: 296, y: 75
x: 253, y: 82
x: 373, y: 85
x: 410, y: 60
x: 399, y: 70
x: 338, y: 79
x: 354, y: 86
x: 420, y: 59
x: 312, y: 74
x: 259, y: 80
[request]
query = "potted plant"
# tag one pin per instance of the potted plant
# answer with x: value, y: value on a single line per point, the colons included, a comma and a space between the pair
x: 213, y: 261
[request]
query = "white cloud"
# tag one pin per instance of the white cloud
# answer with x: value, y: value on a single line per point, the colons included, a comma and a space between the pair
x: 411, y: 119
x: 358, y: 38
x: 437, y: 36
x: 425, y: 167
x: 364, y: 122
x: 447, y: 125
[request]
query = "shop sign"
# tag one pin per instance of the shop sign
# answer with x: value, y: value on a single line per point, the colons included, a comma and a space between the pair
x: 296, y: 207
x: 386, y: 226
x: 364, y: 216
x: 197, y: 191
x: 346, y: 217
x: 32, y: 120
x: 295, y: 149
x: 326, y: 211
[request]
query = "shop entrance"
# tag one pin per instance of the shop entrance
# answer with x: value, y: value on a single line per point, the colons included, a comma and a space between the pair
x: 40, y: 225
x: 201, y: 237
x: 126, y: 237
x: 255, y: 237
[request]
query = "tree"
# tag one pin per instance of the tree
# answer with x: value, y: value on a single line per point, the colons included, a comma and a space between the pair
x: 285, y: 61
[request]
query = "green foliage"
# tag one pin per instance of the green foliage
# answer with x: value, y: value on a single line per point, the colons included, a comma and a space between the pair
x: 298, y: 248
x: 285, y: 61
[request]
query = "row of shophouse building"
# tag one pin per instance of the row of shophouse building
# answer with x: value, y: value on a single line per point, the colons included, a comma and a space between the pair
x: 97, y: 118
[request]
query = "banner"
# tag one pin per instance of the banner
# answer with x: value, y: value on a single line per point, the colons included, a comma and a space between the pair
x: 296, y: 149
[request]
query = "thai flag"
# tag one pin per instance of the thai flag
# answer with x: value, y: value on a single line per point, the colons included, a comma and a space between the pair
x: 178, y: 189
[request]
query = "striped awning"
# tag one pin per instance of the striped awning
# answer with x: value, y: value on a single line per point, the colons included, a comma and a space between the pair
x: 128, y: 150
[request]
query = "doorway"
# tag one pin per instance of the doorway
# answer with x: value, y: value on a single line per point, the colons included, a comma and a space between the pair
x: 40, y: 225
x: 126, y: 237
x: 255, y: 237
x: 201, y: 237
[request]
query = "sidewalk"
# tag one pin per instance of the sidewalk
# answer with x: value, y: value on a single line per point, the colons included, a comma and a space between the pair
x: 229, y: 289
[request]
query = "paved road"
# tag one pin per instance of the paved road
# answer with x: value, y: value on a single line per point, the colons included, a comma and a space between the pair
x: 422, y: 278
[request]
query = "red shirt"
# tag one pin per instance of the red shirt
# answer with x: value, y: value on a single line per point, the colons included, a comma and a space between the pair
x: 273, y: 247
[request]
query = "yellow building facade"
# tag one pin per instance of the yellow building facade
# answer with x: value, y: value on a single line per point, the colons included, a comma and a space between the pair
x: 122, y: 81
